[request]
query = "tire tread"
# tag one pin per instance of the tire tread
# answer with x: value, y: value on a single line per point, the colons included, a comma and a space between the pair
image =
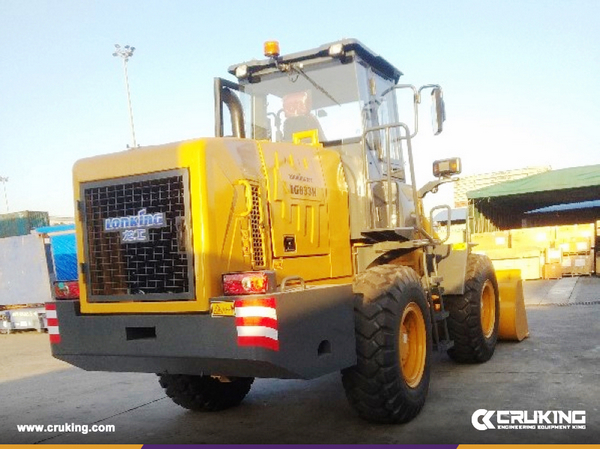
x: 374, y: 386
x: 204, y: 393
x: 464, y: 323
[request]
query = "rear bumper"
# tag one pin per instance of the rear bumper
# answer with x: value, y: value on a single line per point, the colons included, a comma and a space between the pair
x: 315, y: 336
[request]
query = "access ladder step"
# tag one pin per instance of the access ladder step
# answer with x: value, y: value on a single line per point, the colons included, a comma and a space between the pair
x: 436, y: 280
x: 441, y: 316
x: 444, y: 345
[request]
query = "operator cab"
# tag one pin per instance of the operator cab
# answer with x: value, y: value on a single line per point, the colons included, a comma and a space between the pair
x: 334, y: 84
x: 347, y: 93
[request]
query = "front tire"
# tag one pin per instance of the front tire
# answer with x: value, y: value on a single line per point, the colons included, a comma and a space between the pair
x: 474, y: 316
x: 390, y: 381
x: 205, y: 393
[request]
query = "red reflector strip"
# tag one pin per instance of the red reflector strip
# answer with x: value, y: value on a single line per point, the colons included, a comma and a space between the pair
x: 263, y: 302
x: 256, y: 323
x: 54, y: 338
x: 52, y: 320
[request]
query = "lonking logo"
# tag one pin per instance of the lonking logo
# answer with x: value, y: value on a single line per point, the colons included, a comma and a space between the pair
x: 527, y: 420
x: 134, y: 228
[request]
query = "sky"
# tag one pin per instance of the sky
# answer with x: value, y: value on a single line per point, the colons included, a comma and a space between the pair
x: 519, y: 77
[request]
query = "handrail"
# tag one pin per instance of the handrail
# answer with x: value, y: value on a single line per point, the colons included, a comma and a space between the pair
x: 288, y: 279
x: 387, y: 154
x: 448, y: 221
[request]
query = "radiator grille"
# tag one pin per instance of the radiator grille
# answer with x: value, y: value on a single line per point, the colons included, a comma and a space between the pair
x: 258, y: 247
x: 159, y: 268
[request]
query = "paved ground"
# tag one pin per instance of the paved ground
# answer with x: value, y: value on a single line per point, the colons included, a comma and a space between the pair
x: 565, y: 291
x: 29, y: 352
x: 557, y: 368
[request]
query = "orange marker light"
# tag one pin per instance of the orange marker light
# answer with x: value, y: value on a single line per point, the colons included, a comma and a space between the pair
x: 271, y: 49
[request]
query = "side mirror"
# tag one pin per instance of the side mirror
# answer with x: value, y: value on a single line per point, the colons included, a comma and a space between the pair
x: 438, y: 110
x: 447, y: 167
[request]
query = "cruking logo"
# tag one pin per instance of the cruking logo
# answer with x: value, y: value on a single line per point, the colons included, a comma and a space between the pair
x: 527, y: 420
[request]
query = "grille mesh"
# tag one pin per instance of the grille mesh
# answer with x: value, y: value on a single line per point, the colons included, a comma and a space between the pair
x: 157, y: 266
x: 258, y: 250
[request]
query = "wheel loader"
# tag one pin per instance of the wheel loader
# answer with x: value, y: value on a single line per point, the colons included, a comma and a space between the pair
x: 291, y: 245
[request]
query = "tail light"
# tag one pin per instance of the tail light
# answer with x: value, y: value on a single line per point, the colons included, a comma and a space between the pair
x: 66, y: 290
x: 249, y: 283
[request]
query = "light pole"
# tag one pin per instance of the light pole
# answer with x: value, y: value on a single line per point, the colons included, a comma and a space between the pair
x: 125, y: 53
x: 4, y: 180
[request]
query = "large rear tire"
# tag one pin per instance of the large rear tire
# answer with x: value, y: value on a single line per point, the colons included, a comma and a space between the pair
x: 205, y: 393
x: 390, y: 380
x: 474, y: 316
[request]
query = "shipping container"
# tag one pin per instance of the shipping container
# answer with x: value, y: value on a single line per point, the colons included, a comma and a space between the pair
x: 22, y: 223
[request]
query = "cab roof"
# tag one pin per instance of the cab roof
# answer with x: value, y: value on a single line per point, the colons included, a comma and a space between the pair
x: 351, y: 48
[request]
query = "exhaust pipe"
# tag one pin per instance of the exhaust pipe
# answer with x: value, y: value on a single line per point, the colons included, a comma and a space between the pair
x: 235, y: 111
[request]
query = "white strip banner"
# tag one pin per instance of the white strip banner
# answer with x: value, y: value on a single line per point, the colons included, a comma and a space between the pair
x: 257, y: 331
x: 256, y: 311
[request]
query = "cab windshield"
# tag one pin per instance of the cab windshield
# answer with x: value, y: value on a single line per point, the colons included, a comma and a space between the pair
x: 336, y: 99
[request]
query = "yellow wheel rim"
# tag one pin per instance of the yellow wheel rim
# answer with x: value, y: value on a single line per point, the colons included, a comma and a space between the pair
x: 413, y: 345
x: 488, y: 309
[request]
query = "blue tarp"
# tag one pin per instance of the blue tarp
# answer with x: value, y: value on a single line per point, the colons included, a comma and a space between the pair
x: 566, y: 207
x: 65, y: 256
x: 64, y: 250
x: 54, y: 229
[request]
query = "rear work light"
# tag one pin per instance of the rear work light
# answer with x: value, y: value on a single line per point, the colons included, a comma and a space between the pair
x: 66, y: 290
x: 447, y: 167
x: 249, y: 283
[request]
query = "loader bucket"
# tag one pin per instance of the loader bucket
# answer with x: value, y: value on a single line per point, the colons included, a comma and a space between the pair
x: 513, y: 319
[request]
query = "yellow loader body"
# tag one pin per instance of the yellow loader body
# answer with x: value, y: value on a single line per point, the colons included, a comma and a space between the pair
x: 229, y: 228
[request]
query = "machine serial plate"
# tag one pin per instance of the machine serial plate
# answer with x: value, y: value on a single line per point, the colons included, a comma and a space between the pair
x: 222, y: 309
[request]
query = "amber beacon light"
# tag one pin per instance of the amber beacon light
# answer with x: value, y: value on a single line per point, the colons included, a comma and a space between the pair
x: 271, y: 49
